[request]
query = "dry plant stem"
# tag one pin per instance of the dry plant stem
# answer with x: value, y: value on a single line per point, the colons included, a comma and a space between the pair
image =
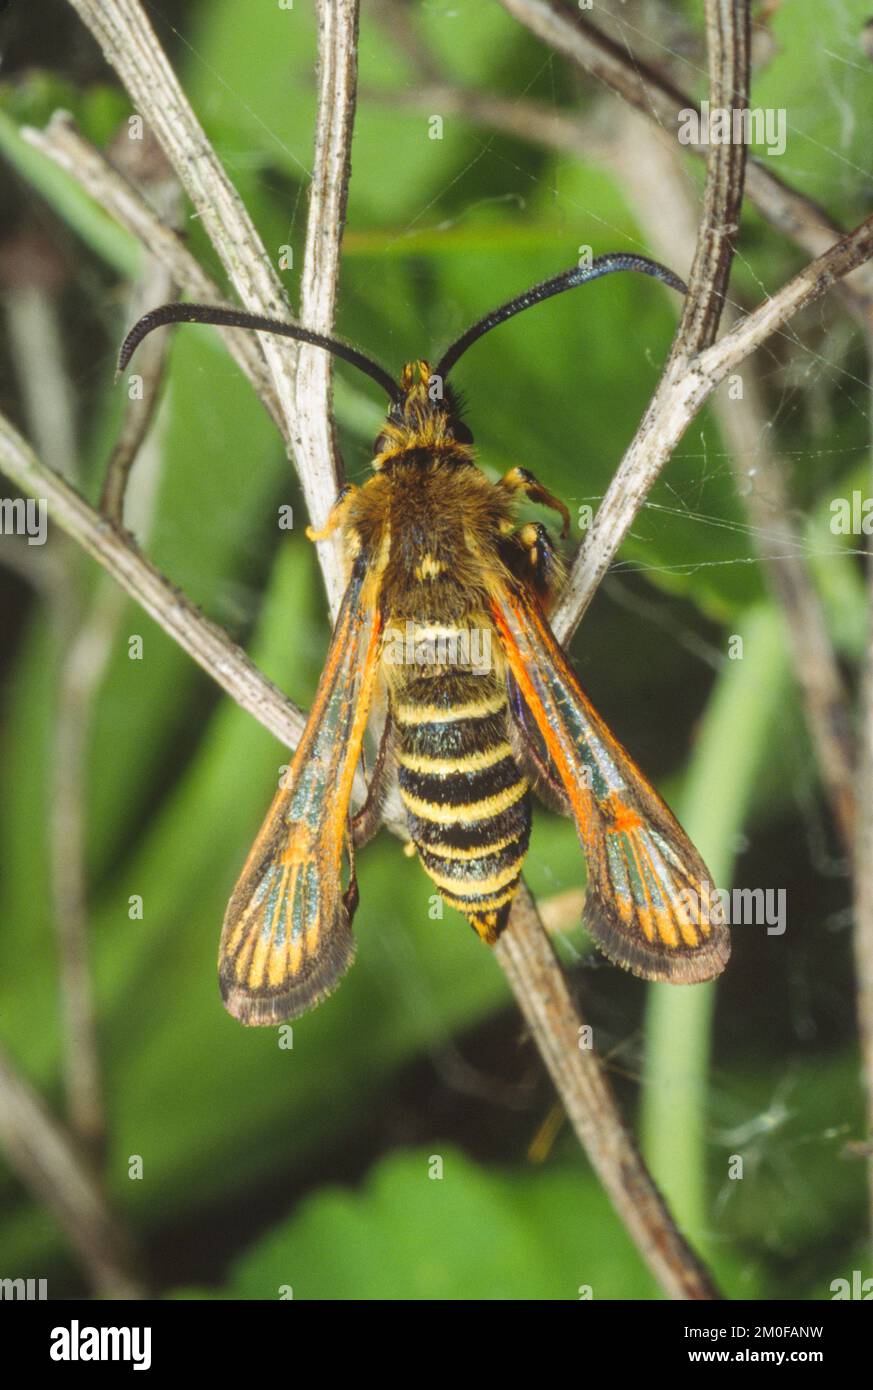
x: 651, y: 172
x: 863, y: 862
x: 81, y: 1052
x: 768, y: 506
x: 524, y: 951
x: 538, y: 983
x: 400, y: 22
x: 529, y: 963
x: 131, y: 46
x: 88, y: 648
x: 65, y: 146
x: 641, y: 84
x: 674, y: 407
x: 116, y: 551
x: 863, y: 901
x: 530, y: 121
x: 44, y: 1157
x: 727, y: 34
x: 562, y: 912
x: 36, y: 348
x: 38, y: 356
x: 727, y: 30
x: 137, y: 420
x: 316, y: 448
x: 42, y: 571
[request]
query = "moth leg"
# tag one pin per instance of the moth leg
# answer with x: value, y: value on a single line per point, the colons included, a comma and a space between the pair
x: 536, y: 560
x: 351, y: 896
x: 367, y: 820
x: 335, y: 515
x: 522, y: 480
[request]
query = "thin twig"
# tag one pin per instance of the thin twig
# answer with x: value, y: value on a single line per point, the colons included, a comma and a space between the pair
x: 337, y: 70
x: 524, y: 951
x: 62, y: 142
x: 113, y: 549
x: 87, y: 650
x: 643, y: 85
x: 316, y: 449
x: 651, y: 175
x: 232, y: 669
x: 204, y: 641
x: 36, y: 339
x: 67, y: 835
x: 863, y: 860
x: 781, y: 546
x: 673, y: 410
x: 39, y: 357
x: 527, y: 959
x: 41, y: 568
x: 137, y: 422
x: 524, y: 119
x: 156, y: 286
x: 727, y: 33
x: 131, y: 46
x: 42, y: 1154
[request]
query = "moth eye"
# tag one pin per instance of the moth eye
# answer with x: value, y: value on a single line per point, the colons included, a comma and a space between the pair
x: 379, y: 444
x: 463, y: 434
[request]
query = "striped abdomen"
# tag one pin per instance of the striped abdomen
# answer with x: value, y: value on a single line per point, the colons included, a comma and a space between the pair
x: 466, y: 802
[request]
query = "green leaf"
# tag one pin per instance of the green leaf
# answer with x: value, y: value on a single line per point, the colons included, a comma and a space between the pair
x: 437, y: 1226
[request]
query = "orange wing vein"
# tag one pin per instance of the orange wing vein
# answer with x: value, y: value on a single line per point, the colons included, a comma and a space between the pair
x: 287, y: 939
x: 651, y: 904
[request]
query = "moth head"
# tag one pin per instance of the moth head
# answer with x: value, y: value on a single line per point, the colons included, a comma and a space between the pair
x: 425, y: 415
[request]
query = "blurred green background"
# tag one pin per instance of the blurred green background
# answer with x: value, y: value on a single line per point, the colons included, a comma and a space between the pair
x: 267, y: 1167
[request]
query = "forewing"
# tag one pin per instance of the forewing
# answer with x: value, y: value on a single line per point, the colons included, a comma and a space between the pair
x: 651, y: 904
x: 532, y: 755
x: 287, y: 937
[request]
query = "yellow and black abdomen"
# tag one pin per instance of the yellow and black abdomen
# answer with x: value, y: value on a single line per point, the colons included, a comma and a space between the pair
x: 467, y: 803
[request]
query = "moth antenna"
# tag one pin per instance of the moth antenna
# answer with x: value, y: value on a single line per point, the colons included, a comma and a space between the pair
x: 235, y: 318
x: 567, y: 280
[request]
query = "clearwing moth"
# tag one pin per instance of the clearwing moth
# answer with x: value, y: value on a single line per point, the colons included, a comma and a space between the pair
x: 436, y: 562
